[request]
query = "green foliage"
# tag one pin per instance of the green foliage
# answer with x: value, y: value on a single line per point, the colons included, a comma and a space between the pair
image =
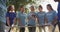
x: 26, y: 10
x: 17, y: 3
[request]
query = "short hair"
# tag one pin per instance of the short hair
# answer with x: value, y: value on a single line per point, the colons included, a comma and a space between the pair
x: 40, y: 6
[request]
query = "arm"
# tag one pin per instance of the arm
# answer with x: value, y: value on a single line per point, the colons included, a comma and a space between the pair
x: 54, y: 20
x: 18, y: 19
x: 45, y: 20
x: 14, y: 21
x: 37, y: 22
x: 34, y: 17
x: 19, y: 22
x: 8, y: 21
x: 31, y: 17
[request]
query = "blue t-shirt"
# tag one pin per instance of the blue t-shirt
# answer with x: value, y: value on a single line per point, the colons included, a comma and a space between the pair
x: 41, y: 16
x: 50, y: 16
x: 30, y: 16
x: 58, y: 11
x: 22, y: 17
x: 11, y: 16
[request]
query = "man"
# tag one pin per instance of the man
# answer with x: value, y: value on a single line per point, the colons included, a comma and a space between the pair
x: 58, y: 13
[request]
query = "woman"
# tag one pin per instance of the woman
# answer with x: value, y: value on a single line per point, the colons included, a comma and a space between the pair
x: 21, y: 18
x: 51, y: 16
x: 41, y: 18
x: 10, y: 15
x: 31, y: 19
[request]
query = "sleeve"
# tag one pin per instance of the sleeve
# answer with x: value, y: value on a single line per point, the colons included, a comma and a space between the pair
x: 55, y: 14
x: 18, y: 15
x: 7, y: 14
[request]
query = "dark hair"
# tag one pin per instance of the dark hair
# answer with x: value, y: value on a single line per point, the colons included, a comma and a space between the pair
x: 50, y: 6
x: 40, y: 6
x: 9, y: 8
x: 57, y: 0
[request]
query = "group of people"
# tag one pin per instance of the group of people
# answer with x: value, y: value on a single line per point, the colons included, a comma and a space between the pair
x: 42, y: 18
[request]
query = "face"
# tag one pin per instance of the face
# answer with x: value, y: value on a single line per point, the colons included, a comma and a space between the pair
x: 12, y: 8
x: 48, y: 8
x: 22, y: 9
x: 32, y: 8
x: 40, y: 9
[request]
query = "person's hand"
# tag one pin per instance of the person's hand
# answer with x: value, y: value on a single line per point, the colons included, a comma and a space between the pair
x: 8, y: 25
x: 21, y: 25
x: 13, y: 25
x: 53, y: 23
x: 37, y: 24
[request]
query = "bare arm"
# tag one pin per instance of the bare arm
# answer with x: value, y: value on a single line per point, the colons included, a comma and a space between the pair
x: 8, y: 21
x: 45, y: 20
x: 54, y: 20
x: 19, y: 22
x: 14, y: 21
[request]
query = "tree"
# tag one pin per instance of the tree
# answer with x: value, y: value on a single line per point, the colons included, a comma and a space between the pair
x: 17, y: 3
